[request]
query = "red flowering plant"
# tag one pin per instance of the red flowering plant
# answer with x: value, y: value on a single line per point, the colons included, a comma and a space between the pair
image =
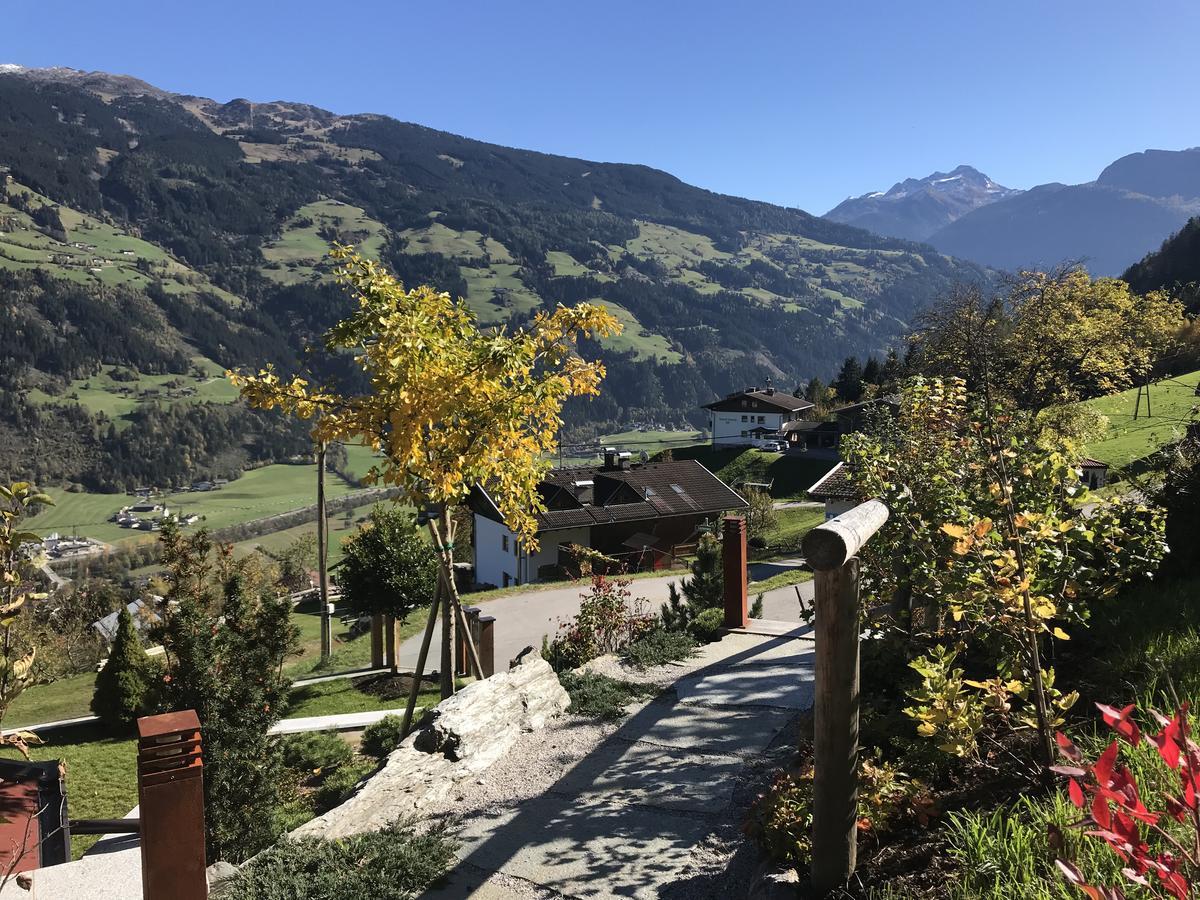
x: 1159, y: 849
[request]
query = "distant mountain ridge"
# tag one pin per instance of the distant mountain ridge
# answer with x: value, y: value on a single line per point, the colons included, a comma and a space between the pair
x: 214, y: 221
x: 916, y: 208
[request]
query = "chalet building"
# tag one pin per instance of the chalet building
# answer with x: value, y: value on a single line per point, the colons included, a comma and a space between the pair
x: 637, y: 513
x: 754, y: 414
x: 837, y: 490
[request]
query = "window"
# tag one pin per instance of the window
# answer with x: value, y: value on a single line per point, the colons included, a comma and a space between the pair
x: 761, y: 419
x: 504, y: 542
x: 743, y: 403
x: 744, y: 418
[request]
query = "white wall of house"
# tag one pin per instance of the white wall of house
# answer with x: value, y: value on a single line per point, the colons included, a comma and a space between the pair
x: 498, y: 552
x: 834, y: 508
x: 735, y: 427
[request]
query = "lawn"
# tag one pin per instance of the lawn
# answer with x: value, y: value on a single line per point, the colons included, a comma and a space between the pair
x: 300, y: 250
x: 636, y: 339
x: 1174, y: 404
x: 790, y: 476
x: 259, y: 493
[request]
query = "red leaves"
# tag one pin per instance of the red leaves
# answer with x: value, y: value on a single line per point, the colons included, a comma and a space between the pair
x: 1114, y: 812
x: 1119, y: 721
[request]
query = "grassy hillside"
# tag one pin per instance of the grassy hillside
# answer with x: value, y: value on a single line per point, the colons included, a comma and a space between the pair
x: 790, y: 476
x: 1174, y: 404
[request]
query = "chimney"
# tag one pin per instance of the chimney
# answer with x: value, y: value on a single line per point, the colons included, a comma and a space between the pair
x: 770, y: 391
x: 610, y: 458
x: 623, y: 460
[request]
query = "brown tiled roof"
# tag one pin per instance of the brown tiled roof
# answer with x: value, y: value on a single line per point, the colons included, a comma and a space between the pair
x: 641, y: 492
x: 836, y: 484
x: 781, y: 400
x: 1088, y: 463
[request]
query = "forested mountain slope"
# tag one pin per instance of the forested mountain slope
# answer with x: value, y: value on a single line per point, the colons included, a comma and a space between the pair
x: 170, y: 236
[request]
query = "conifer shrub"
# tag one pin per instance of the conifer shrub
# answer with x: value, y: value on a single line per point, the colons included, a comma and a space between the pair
x: 704, y: 590
x: 126, y: 686
x: 396, y: 863
x: 381, y: 738
x: 316, y: 752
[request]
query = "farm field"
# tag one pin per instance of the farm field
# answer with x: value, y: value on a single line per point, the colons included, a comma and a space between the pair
x: 104, y: 393
x: 258, y: 493
x: 584, y: 453
x: 636, y: 339
x: 300, y: 251
x: 108, y: 255
x: 1174, y: 404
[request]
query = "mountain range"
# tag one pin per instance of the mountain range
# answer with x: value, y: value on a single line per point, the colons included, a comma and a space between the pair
x: 1107, y: 224
x: 149, y: 239
x: 918, y: 208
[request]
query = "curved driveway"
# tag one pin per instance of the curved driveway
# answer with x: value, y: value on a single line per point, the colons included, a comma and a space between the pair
x: 523, y: 617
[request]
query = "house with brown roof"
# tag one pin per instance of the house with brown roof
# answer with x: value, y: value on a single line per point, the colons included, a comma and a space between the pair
x: 1093, y: 473
x: 637, y: 513
x: 754, y: 415
x: 837, y: 489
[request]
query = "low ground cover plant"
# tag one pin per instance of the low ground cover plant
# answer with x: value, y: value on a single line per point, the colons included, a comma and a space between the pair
x: 601, y: 697
x: 659, y: 647
x: 397, y: 863
x: 382, y: 737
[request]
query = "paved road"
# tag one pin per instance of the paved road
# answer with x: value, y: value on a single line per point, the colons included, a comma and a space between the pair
x: 522, y: 618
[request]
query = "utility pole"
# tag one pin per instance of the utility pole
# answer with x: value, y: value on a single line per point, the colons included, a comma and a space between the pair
x: 1143, y: 388
x: 322, y: 556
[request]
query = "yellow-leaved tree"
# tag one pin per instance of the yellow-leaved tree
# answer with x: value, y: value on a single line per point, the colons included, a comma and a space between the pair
x: 451, y: 405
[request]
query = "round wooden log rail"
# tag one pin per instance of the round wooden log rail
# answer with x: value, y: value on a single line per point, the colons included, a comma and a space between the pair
x: 831, y: 545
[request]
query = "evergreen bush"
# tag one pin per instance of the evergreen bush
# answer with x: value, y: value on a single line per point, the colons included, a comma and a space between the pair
x: 125, y: 687
x: 316, y: 751
x: 383, y: 737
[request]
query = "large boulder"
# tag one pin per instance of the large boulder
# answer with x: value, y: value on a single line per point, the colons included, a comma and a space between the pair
x: 456, y: 741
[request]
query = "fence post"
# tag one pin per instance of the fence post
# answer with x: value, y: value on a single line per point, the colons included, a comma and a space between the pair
x: 170, y: 770
x: 830, y: 549
x: 733, y: 564
x: 486, y: 645
x: 462, y: 664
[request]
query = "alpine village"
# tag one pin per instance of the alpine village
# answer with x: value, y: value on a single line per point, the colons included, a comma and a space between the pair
x: 387, y: 513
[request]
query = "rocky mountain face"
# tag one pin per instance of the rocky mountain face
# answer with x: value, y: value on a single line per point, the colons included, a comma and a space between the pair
x: 916, y: 208
x: 1107, y: 224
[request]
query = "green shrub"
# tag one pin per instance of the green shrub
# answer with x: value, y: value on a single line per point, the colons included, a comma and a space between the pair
x: 659, y: 647
x: 125, y: 687
x: 315, y: 752
x: 383, y: 737
x: 601, y: 697
x: 781, y: 818
x: 707, y: 624
x: 396, y: 863
x: 339, y: 785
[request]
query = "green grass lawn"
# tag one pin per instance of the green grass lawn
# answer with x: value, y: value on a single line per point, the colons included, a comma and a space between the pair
x: 300, y: 250
x: 790, y: 475
x: 1173, y: 403
x: 791, y: 525
x: 635, y: 338
x: 259, y: 493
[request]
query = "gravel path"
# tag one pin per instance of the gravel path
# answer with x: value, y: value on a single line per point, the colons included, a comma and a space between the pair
x: 650, y: 806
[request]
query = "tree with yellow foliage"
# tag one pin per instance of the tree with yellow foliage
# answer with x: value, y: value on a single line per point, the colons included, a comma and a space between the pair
x: 1049, y: 338
x: 450, y: 406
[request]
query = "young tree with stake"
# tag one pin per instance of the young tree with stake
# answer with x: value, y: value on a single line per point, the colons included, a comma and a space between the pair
x: 450, y: 406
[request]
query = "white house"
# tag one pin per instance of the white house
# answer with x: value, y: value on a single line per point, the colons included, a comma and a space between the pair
x: 754, y: 414
x: 636, y: 513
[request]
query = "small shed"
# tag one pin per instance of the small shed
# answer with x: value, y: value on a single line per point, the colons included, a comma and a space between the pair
x: 1093, y: 473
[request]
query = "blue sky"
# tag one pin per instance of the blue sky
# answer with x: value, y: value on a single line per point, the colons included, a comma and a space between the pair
x: 798, y: 103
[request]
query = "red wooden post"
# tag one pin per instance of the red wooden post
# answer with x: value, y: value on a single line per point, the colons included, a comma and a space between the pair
x: 733, y: 557
x: 171, y: 800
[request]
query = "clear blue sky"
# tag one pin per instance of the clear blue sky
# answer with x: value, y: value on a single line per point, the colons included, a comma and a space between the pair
x: 799, y: 103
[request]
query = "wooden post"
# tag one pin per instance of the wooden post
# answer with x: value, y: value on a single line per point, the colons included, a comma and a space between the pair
x: 487, y: 645
x: 323, y: 556
x: 377, y: 661
x: 830, y: 549
x: 390, y: 650
x: 170, y: 772
x: 733, y: 563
